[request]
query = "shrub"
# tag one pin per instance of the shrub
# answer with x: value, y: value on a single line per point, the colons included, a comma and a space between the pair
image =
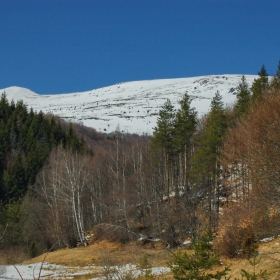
x: 245, y: 274
x: 236, y: 233
x: 113, y: 233
x: 188, y: 267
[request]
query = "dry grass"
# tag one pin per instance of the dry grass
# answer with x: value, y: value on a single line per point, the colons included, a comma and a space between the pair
x: 132, y: 253
x: 93, y: 254
x: 269, y: 260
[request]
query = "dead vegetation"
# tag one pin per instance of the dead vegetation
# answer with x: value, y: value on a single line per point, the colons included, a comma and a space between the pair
x: 132, y: 253
x: 93, y: 254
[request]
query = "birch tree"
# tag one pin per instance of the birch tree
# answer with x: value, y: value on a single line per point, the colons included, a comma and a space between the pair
x: 64, y: 186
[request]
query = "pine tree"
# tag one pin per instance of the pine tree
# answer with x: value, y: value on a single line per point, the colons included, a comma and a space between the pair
x: 185, y: 266
x: 243, y: 98
x: 185, y: 124
x: 206, y: 169
x: 4, y: 107
x: 172, y: 145
x: 73, y: 141
x: 15, y: 180
x: 216, y: 124
x: 4, y: 145
x: 275, y: 83
x: 26, y: 140
x: 163, y: 142
x: 278, y: 71
x: 163, y: 132
x: 184, y: 128
x: 260, y: 84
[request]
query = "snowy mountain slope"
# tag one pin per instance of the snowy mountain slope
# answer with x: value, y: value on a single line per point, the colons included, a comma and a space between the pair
x: 131, y: 106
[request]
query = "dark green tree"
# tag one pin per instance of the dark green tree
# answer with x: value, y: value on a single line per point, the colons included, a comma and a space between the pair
x: 5, y: 108
x: 243, y: 98
x: 172, y: 143
x: 184, y: 124
x: 275, y: 82
x: 163, y: 143
x: 26, y: 140
x: 73, y: 141
x: 14, y: 179
x: 260, y: 84
x: 184, y: 128
x: 214, y: 130
x: 186, y: 266
x: 164, y: 131
x: 207, y: 169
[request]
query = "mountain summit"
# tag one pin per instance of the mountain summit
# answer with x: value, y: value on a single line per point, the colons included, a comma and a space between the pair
x: 131, y: 106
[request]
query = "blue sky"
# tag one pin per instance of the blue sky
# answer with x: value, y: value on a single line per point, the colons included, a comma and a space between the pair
x: 56, y: 46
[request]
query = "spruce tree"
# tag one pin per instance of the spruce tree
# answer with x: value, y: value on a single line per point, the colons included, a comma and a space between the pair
x: 14, y: 179
x: 26, y: 140
x: 184, y: 124
x: 164, y: 131
x: 184, y: 128
x: 206, y: 169
x: 186, y: 266
x: 73, y: 141
x: 260, y: 84
x: 278, y: 71
x: 243, y: 98
x: 4, y: 108
x: 215, y: 128
x: 275, y: 83
x: 163, y: 143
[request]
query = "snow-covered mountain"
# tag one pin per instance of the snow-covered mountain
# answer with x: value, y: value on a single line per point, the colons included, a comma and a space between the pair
x: 132, y: 106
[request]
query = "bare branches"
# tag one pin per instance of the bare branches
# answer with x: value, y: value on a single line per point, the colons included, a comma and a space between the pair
x: 3, y: 234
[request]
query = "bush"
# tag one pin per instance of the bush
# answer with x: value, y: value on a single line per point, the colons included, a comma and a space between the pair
x: 188, y: 267
x: 249, y: 246
x: 237, y: 233
x: 146, y: 268
x: 113, y: 233
x: 245, y: 274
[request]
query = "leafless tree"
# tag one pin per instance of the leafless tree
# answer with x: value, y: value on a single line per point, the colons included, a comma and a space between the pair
x: 63, y: 184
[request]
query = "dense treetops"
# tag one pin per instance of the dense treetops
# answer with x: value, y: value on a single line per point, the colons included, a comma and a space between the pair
x: 26, y: 140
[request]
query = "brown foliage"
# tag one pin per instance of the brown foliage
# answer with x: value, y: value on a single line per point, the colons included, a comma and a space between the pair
x: 253, y: 149
x: 251, y: 155
x: 236, y: 227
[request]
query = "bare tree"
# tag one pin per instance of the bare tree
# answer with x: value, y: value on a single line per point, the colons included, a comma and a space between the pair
x: 64, y: 186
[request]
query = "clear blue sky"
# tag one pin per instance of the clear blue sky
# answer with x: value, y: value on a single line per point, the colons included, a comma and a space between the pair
x: 56, y: 46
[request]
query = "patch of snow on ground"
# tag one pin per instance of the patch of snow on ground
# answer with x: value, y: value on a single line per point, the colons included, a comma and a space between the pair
x: 267, y: 239
x: 48, y: 271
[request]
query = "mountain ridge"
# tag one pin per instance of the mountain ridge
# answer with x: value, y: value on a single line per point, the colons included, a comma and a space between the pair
x: 130, y: 106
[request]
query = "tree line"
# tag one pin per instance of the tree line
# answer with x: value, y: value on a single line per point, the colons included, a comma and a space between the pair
x: 26, y: 140
x: 56, y: 186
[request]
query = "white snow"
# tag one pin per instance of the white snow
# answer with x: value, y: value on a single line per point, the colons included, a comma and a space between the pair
x: 54, y: 271
x: 267, y: 239
x: 133, y: 106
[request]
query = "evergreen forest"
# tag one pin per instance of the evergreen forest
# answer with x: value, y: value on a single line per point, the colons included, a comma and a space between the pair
x: 59, y: 181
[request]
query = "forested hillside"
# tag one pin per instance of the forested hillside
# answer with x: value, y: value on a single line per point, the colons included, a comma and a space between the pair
x: 26, y: 141
x: 27, y: 138
x: 219, y: 172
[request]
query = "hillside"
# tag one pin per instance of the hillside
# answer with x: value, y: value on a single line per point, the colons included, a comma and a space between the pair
x: 132, y: 106
x: 94, y: 261
x: 126, y: 188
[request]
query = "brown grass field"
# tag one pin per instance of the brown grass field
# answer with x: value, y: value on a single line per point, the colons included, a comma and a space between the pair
x: 97, y: 253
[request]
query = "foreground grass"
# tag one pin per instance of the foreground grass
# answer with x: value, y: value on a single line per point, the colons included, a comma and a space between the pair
x: 120, y: 254
x: 269, y: 260
x: 95, y: 253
